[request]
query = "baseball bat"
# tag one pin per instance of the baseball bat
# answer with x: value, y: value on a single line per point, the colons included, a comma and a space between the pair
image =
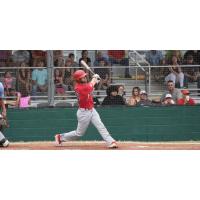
x: 86, y: 66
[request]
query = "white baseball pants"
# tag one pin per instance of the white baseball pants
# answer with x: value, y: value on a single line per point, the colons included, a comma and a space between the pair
x: 84, y: 117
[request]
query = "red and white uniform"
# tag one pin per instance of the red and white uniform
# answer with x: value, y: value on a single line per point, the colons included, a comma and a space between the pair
x: 84, y: 95
x: 86, y: 114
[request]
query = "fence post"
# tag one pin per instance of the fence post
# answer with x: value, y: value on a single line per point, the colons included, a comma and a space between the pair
x: 50, y: 71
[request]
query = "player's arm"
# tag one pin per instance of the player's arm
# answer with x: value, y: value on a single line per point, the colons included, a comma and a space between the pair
x: 3, y: 108
x: 95, y: 79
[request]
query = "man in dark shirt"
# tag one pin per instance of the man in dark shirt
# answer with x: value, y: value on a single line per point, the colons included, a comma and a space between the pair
x: 144, y: 101
x: 112, y: 97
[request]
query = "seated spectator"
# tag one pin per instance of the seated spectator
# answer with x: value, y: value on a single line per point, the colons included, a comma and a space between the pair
x: 135, y: 98
x: 120, y: 57
x: 104, y: 74
x: 175, y: 73
x: 170, y: 54
x: 24, y: 80
x: 186, y: 99
x: 8, y: 82
x: 25, y: 102
x: 168, y: 100
x: 112, y: 97
x: 144, y: 101
x: 21, y: 56
x: 175, y: 93
x: 13, y: 98
x: 39, y: 78
x: 57, y: 54
x: 37, y: 55
x: 121, y: 91
x: 99, y: 57
x: 58, y: 81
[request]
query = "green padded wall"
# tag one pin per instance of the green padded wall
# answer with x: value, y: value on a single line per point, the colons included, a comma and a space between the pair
x: 124, y: 123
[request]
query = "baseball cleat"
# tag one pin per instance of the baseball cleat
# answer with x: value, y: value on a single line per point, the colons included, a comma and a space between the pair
x: 4, y: 143
x: 113, y: 145
x: 58, y: 139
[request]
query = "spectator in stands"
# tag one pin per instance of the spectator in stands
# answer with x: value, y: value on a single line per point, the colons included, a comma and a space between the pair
x: 21, y: 56
x: 186, y: 99
x: 112, y: 97
x: 57, y: 54
x: 122, y: 92
x: 13, y: 98
x: 135, y: 98
x: 195, y: 54
x: 58, y: 81
x: 104, y: 74
x: 175, y: 93
x: 24, y: 80
x: 144, y: 101
x: 175, y: 73
x: 168, y: 100
x: 71, y: 57
x: 170, y: 54
x: 5, y: 57
x: 39, y: 78
x: 155, y: 58
x: 120, y: 57
x: 8, y: 82
x: 37, y: 55
x: 67, y: 74
x: 84, y: 57
x: 99, y: 57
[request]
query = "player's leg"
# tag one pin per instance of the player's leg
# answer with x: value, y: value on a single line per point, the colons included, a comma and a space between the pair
x: 3, y: 141
x: 84, y: 117
x: 96, y: 121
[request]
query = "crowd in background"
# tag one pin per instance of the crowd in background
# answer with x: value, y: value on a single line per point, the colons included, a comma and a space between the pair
x: 24, y: 82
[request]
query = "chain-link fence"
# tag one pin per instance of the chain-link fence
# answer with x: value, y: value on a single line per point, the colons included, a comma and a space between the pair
x: 44, y: 78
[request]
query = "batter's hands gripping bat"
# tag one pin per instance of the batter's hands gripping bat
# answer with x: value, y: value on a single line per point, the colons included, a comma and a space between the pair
x: 87, y: 67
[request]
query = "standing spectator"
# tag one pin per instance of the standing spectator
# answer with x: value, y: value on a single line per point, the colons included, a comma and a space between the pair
x: 68, y: 74
x: 8, y: 82
x: 186, y: 99
x: 58, y: 81
x: 119, y: 57
x: 71, y: 57
x: 135, y: 98
x: 175, y: 93
x: 21, y: 56
x: 112, y: 97
x: 168, y: 100
x: 84, y: 57
x: 144, y: 101
x: 175, y: 73
x: 4, y: 57
x: 24, y: 80
x: 99, y: 57
x: 39, y: 78
x: 104, y: 74
x: 155, y: 58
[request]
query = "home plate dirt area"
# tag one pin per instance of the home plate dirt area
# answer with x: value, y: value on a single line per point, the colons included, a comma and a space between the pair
x: 96, y: 145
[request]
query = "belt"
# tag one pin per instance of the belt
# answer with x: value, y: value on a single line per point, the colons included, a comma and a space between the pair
x: 86, y: 108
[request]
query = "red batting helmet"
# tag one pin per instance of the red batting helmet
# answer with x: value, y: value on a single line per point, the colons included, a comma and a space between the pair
x: 79, y: 74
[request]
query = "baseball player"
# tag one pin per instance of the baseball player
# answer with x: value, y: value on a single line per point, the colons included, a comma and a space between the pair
x: 3, y: 141
x: 86, y: 112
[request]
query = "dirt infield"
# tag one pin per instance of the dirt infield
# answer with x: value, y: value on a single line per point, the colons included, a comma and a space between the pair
x: 101, y: 146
